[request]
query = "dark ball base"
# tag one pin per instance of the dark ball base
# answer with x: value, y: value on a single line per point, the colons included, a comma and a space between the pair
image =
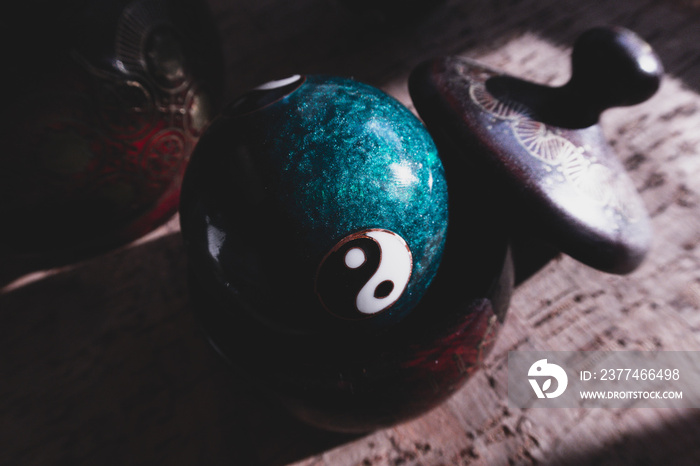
x: 362, y: 381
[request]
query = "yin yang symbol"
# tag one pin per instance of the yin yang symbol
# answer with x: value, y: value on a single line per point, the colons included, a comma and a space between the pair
x: 265, y: 95
x: 365, y: 273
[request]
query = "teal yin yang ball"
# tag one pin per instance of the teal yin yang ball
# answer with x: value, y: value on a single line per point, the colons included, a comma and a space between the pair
x: 316, y: 203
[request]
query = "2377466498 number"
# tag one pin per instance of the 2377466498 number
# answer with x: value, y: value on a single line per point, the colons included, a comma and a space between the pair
x: 639, y: 374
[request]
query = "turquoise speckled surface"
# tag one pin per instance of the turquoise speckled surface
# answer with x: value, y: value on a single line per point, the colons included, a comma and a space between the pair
x: 360, y: 160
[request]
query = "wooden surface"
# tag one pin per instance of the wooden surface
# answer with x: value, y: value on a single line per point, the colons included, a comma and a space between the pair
x: 102, y: 362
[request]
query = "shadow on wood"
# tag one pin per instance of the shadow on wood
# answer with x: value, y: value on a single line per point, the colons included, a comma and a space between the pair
x: 105, y: 364
x: 671, y: 443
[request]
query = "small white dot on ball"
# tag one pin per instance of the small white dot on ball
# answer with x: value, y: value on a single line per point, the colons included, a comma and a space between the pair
x: 355, y: 258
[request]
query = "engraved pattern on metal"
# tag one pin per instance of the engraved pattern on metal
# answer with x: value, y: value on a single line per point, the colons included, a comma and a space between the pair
x: 544, y: 143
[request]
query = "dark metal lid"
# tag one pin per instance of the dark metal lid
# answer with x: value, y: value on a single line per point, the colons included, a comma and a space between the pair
x: 539, y: 152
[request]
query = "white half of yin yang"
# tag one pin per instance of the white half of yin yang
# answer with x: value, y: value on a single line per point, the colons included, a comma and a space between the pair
x: 395, y: 266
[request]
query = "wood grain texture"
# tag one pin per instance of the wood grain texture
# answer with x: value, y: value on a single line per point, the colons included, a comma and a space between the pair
x: 103, y: 363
